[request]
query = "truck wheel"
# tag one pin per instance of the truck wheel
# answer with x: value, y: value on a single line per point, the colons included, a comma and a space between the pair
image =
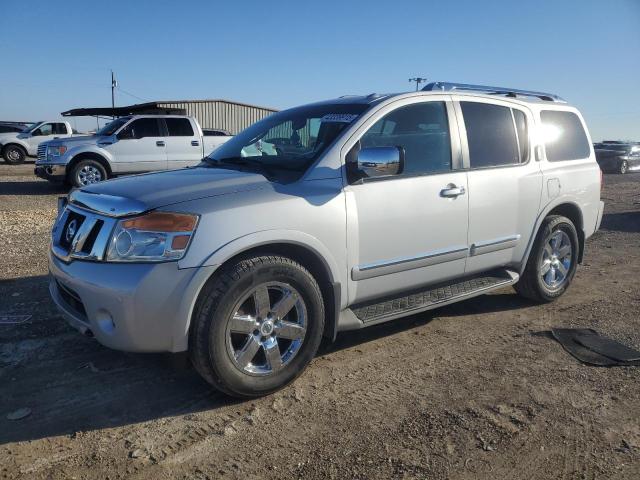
x: 623, y: 167
x: 256, y: 326
x: 86, y: 172
x: 552, y: 262
x: 14, y: 154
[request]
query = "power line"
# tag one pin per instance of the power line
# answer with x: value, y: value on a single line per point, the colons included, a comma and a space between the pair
x: 131, y: 94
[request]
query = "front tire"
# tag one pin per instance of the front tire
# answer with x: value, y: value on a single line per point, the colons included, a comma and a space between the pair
x: 14, y: 154
x: 552, y: 262
x: 256, y: 325
x: 623, y: 167
x: 87, y: 172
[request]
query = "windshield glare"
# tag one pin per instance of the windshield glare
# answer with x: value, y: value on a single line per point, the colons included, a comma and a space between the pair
x: 112, y: 127
x: 289, y: 140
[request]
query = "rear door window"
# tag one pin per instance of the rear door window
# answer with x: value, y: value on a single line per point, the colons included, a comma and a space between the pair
x: 144, y: 127
x: 564, y: 137
x: 491, y: 135
x: 179, y: 127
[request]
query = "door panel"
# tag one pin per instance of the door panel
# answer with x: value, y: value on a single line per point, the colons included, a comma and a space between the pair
x: 184, y: 145
x: 140, y: 147
x: 505, y: 182
x: 408, y: 230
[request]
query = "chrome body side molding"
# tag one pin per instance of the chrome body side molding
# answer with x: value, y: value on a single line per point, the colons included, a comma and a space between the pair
x: 494, y: 245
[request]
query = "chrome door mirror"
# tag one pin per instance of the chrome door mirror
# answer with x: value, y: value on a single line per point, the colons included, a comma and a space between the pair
x: 380, y: 161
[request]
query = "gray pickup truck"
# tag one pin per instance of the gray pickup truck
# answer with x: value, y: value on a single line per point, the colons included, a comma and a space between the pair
x: 131, y: 144
x: 329, y: 217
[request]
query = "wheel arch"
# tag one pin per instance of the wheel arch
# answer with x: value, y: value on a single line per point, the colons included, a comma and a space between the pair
x: 13, y: 143
x: 318, y: 264
x: 89, y: 156
x: 566, y: 208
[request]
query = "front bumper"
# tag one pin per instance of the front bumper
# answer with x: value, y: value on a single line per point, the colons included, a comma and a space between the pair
x: 51, y: 172
x: 137, y: 307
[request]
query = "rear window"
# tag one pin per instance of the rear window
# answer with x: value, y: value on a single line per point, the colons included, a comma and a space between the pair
x: 491, y: 135
x: 564, y: 137
x: 179, y: 127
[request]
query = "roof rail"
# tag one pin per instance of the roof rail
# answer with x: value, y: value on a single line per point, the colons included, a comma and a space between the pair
x: 509, y: 92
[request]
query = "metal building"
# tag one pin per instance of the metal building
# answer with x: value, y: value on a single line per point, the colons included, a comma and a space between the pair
x: 218, y: 114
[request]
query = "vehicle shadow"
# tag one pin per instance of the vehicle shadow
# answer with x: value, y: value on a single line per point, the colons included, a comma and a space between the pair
x: 628, y: 222
x: 71, y: 383
x: 32, y: 187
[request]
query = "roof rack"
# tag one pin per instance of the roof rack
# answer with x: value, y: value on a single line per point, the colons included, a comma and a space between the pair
x: 509, y: 92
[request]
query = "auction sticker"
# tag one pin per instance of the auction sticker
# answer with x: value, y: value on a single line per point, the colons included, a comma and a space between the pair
x: 339, y: 117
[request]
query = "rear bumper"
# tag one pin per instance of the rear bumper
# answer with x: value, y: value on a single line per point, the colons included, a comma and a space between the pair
x: 132, y: 307
x: 54, y: 173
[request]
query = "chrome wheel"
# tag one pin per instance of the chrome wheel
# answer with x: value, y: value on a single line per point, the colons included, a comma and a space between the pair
x: 624, y: 166
x: 14, y: 155
x: 267, y: 329
x: 89, y: 174
x: 556, y: 260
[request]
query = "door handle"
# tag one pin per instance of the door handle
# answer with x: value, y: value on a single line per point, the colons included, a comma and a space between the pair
x: 160, y: 143
x: 452, y: 191
x: 195, y: 143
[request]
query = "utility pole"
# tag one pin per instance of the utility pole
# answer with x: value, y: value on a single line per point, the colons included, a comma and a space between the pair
x: 114, y: 84
x: 418, y: 81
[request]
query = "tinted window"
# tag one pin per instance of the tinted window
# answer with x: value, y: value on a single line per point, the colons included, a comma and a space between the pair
x: 144, y: 127
x: 490, y: 134
x: 214, y: 133
x: 9, y: 128
x: 564, y: 137
x: 179, y: 127
x: 421, y: 130
x: 45, y: 129
x: 523, y: 136
x: 59, y: 128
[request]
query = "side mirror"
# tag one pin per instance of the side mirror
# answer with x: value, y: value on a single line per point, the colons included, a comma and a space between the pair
x: 380, y: 161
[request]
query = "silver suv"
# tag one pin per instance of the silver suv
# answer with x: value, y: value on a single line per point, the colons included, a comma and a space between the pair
x: 329, y: 217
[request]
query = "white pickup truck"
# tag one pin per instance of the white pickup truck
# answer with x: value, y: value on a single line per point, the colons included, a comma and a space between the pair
x: 17, y: 146
x: 131, y: 144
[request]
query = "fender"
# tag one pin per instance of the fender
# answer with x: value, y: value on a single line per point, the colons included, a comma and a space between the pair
x: 250, y: 242
x: 80, y: 149
x: 562, y: 200
x: 20, y: 143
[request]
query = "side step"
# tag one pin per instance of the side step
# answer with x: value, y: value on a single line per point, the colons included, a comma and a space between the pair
x: 408, y: 303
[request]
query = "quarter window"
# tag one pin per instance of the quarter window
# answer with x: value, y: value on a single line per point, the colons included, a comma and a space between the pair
x: 491, y: 135
x: 179, y: 127
x: 421, y: 130
x: 564, y: 137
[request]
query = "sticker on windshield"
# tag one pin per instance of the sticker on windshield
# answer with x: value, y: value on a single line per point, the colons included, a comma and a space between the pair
x: 339, y: 117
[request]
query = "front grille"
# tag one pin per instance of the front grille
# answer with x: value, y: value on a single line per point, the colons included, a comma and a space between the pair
x: 81, y: 234
x: 42, y: 152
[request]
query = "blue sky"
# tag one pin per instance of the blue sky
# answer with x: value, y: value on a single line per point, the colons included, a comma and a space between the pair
x: 58, y: 55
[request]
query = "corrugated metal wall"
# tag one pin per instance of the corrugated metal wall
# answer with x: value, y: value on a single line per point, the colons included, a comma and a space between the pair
x: 229, y: 116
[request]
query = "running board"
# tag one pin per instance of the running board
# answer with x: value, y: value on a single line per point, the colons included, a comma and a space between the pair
x: 434, y: 296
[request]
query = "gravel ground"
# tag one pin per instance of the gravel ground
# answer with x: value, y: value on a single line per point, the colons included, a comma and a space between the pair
x: 473, y: 390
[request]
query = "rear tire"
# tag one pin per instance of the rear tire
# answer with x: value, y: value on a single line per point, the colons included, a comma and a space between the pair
x: 14, y: 154
x: 552, y: 262
x: 256, y: 326
x: 87, y: 172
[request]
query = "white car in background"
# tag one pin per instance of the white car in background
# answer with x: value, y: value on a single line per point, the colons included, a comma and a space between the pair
x: 17, y: 146
x: 130, y: 144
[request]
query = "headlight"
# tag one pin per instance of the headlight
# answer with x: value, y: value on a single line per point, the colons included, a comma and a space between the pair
x: 154, y: 237
x: 56, y: 151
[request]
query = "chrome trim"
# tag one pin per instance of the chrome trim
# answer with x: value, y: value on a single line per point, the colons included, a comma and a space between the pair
x: 376, y: 269
x: 502, y: 243
x: 98, y: 250
x: 109, y: 205
x: 509, y: 92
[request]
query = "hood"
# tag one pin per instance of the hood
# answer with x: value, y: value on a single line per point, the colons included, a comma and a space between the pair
x: 139, y: 193
x: 73, y: 141
x: 8, y: 136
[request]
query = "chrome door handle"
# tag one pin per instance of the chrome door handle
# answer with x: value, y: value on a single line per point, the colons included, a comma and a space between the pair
x: 452, y: 191
x: 195, y: 143
x: 160, y: 143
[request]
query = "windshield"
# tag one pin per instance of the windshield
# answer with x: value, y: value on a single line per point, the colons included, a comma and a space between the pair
x: 112, y: 127
x: 290, y: 140
x: 32, y: 127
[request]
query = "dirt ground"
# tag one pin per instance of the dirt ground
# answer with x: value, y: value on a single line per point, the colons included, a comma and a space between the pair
x: 474, y: 390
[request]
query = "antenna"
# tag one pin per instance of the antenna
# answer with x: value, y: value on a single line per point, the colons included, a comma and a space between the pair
x: 114, y: 85
x: 418, y: 81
